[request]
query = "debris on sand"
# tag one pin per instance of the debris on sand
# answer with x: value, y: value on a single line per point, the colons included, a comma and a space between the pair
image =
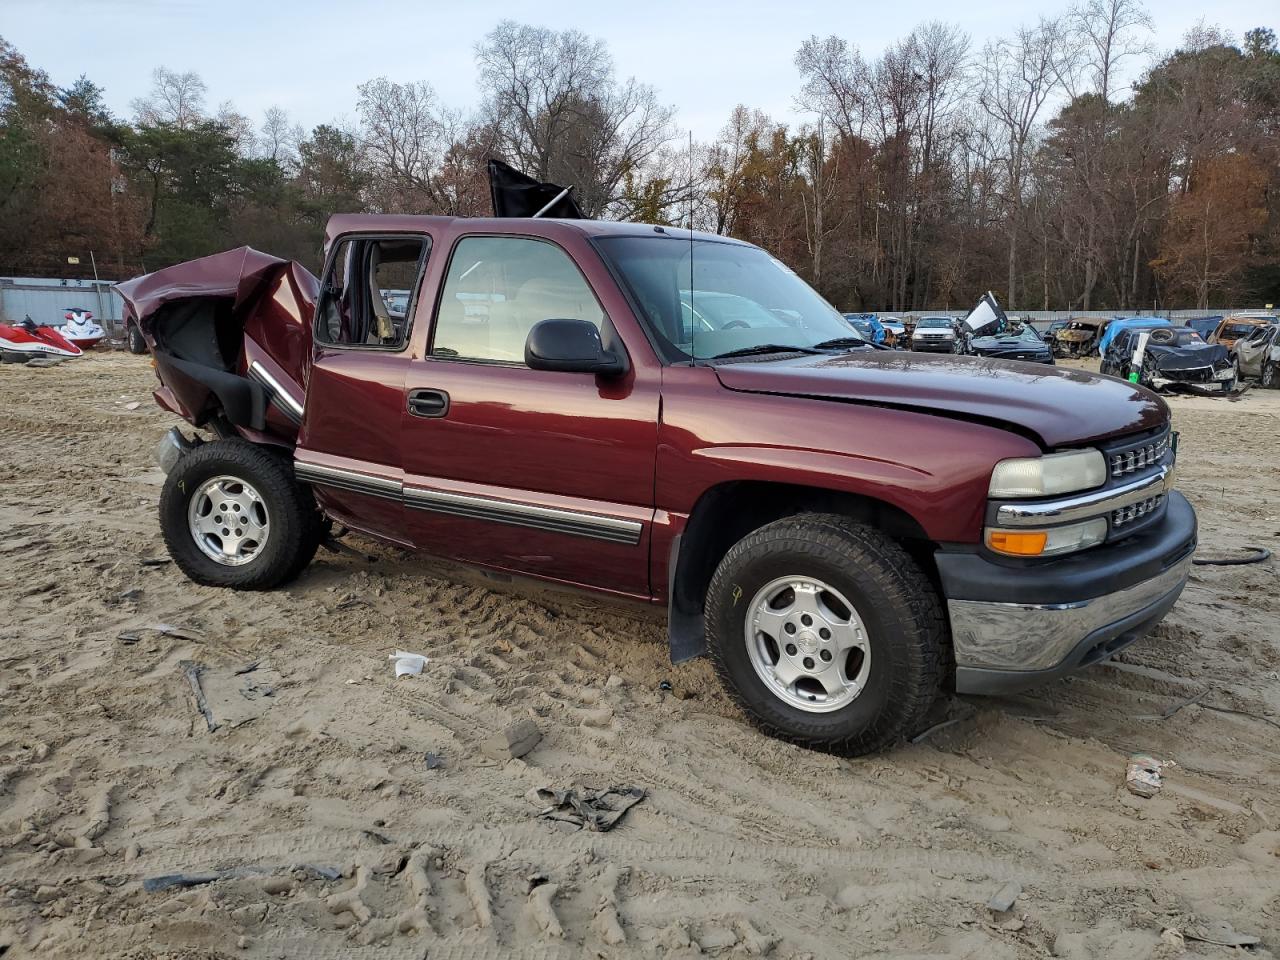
x: 1143, y: 775
x: 598, y: 810
x: 1002, y: 900
x: 1220, y: 933
x: 192, y: 670
x: 513, y: 742
x: 407, y: 664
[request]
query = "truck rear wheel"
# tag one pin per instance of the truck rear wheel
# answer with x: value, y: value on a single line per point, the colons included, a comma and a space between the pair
x: 233, y: 515
x: 826, y: 633
x: 134, y: 339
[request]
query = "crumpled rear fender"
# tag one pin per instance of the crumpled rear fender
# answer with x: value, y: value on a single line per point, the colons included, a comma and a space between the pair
x: 230, y: 333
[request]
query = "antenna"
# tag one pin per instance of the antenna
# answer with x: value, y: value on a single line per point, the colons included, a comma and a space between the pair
x: 693, y: 315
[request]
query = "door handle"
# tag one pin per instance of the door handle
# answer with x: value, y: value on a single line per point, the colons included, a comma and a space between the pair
x: 428, y: 403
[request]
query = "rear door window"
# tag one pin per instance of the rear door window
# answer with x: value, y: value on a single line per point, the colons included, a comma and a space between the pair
x: 369, y: 291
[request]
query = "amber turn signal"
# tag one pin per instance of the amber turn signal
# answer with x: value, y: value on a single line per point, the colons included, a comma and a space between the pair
x: 1018, y: 543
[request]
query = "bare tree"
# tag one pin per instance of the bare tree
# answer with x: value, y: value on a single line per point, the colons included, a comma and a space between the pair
x: 405, y: 135
x: 1108, y: 32
x: 238, y: 127
x: 176, y: 98
x: 561, y: 115
x: 837, y: 83
x: 1016, y: 79
x: 725, y: 171
x: 278, y: 137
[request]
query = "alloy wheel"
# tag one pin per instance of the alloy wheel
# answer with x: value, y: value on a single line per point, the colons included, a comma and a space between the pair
x: 808, y: 644
x: 228, y: 521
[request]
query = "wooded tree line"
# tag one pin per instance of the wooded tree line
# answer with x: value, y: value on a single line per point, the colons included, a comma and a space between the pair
x: 921, y: 178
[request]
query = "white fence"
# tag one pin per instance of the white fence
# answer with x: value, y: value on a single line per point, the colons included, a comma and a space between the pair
x: 46, y: 301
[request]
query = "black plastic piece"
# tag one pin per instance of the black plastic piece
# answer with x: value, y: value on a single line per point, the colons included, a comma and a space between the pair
x: 571, y: 346
x: 970, y: 574
x: 686, y: 630
x: 243, y: 401
x: 429, y: 404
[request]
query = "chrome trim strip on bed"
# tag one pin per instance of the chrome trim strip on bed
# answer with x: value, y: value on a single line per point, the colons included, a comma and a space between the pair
x: 349, y: 480
x: 282, y: 398
x: 570, y: 522
x: 1083, y: 507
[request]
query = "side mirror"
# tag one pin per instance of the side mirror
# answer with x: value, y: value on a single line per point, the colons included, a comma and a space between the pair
x: 570, y: 346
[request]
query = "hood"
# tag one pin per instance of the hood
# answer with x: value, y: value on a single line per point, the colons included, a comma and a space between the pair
x: 986, y: 319
x: 1188, y: 358
x: 1061, y: 407
x: 1019, y: 344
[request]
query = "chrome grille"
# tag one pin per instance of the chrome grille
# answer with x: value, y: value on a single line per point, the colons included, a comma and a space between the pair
x: 1139, y: 457
x: 1135, y: 511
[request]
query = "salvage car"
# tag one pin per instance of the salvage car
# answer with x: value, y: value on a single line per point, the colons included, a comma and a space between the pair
x: 895, y: 331
x: 1239, y: 325
x: 849, y: 532
x: 934, y: 334
x: 1079, y: 338
x: 1258, y: 355
x: 1170, y: 358
x: 1020, y: 342
x: 868, y: 325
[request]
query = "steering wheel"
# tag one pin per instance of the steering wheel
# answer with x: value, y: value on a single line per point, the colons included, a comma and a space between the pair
x: 736, y: 324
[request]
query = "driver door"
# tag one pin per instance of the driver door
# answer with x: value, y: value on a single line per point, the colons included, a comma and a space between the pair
x: 1251, y: 351
x: 539, y: 472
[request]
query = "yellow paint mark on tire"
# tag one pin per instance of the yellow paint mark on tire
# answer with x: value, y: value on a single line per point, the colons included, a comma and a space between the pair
x: 737, y: 594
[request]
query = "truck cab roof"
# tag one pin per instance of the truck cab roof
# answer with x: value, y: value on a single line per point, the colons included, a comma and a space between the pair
x: 343, y: 223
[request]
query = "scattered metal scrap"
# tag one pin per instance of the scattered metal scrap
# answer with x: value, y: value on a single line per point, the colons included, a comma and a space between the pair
x: 192, y: 670
x: 598, y: 810
x: 170, y: 881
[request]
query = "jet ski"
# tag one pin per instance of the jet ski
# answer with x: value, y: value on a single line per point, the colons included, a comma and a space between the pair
x: 25, y: 341
x: 80, y: 328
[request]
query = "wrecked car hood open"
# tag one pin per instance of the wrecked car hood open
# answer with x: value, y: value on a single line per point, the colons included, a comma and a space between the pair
x: 1061, y: 407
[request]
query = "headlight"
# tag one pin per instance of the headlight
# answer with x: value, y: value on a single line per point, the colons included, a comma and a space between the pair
x: 1226, y: 373
x: 1048, y: 542
x: 1048, y: 475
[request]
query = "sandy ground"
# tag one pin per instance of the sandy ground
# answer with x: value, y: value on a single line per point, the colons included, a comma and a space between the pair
x: 744, y: 846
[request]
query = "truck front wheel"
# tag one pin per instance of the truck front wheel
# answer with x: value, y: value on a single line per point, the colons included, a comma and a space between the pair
x: 233, y: 515
x: 826, y: 633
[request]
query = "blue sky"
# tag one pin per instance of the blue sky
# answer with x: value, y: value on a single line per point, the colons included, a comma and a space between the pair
x: 703, y: 56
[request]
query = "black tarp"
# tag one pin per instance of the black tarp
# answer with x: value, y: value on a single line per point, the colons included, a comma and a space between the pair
x: 517, y: 195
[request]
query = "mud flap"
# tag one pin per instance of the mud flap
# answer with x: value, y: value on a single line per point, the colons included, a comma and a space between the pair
x: 686, y: 631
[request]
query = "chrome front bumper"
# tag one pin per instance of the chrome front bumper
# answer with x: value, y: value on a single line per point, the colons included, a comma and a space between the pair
x: 1005, y: 647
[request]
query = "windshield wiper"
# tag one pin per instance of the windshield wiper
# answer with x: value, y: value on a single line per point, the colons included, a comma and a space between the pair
x: 836, y: 342
x: 761, y: 348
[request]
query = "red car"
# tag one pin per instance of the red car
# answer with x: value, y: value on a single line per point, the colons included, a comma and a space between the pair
x: 847, y: 530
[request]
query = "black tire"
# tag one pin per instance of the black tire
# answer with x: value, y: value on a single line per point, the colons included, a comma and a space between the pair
x: 295, y: 524
x: 134, y: 339
x: 1269, y: 375
x: 895, y: 600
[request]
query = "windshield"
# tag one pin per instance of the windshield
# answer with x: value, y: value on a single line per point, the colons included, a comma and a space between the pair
x: 737, y: 298
x: 935, y: 322
x: 1235, y: 331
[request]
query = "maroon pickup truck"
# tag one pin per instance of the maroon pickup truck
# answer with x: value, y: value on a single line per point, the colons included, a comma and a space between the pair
x: 678, y: 420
